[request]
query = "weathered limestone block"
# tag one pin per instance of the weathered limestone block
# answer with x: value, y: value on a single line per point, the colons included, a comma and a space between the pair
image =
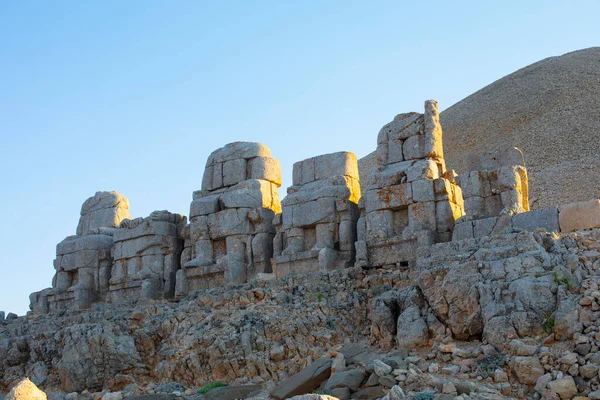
x: 105, y: 209
x: 317, y: 227
x: 411, y: 200
x: 537, y: 219
x: 582, y: 215
x: 495, y: 160
x: 230, y: 236
x: 146, y: 253
x: 496, y: 187
x: 237, y: 162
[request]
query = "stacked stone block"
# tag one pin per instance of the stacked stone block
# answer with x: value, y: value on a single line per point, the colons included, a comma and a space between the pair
x: 231, y: 219
x: 146, y: 255
x: 317, y: 227
x: 499, y: 186
x: 411, y: 200
x: 493, y: 193
x: 83, y: 262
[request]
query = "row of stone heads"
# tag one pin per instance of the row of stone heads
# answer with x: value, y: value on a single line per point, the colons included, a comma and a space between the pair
x: 239, y: 162
x: 238, y: 227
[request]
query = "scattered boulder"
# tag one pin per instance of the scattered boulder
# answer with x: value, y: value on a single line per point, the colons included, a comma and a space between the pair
x: 25, y: 390
x: 380, y: 368
x: 564, y: 387
x: 527, y: 369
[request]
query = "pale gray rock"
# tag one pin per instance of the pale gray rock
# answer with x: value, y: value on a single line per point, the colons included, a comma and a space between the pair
x: 527, y: 369
x: 537, y: 219
x: 380, y: 368
x: 104, y: 209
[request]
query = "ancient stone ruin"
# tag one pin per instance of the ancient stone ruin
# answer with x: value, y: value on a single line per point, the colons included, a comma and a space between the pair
x: 230, y: 238
x: 317, y: 227
x: 411, y: 199
x: 83, y: 262
x: 239, y: 230
x: 146, y: 256
x: 426, y: 279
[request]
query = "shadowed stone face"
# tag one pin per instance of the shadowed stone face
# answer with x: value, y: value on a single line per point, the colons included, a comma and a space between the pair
x: 317, y: 227
x: 231, y: 231
x: 83, y: 262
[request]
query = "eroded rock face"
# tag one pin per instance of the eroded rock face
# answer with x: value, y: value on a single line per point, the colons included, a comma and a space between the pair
x: 496, y: 287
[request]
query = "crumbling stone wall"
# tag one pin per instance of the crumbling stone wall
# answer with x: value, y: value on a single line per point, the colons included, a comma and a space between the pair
x: 146, y: 255
x: 317, y: 227
x: 231, y: 230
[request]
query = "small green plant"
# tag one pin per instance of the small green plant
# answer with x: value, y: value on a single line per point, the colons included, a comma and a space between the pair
x: 320, y: 296
x: 561, y: 281
x: 489, y: 363
x: 423, y: 396
x: 548, y: 323
x: 210, y: 386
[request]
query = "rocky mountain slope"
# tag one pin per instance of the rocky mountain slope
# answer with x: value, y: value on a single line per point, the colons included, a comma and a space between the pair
x: 508, y: 316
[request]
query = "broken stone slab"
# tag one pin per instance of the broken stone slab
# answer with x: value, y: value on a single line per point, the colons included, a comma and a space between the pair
x: 342, y: 163
x: 373, y: 392
x: 232, y: 392
x: 581, y: 215
x: 351, y: 379
x: 537, y: 219
x: 304, y: 381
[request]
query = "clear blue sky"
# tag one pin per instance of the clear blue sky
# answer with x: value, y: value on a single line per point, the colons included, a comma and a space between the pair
x: 133, y: 95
